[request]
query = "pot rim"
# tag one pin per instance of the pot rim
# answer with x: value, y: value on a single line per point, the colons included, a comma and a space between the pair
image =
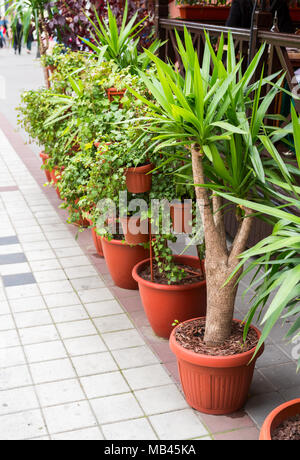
x: 119, y: 242
x: 209, y: 360
x: 140, y: 169
x: 265, y: 433
x: 165, y: 287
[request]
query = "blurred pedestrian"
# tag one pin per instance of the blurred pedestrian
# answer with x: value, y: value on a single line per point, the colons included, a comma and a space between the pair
x: 18, y: 35
x: 30, y: 39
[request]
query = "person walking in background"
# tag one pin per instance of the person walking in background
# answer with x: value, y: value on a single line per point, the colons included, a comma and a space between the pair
x: 30, y: 39
x: 18, y: 35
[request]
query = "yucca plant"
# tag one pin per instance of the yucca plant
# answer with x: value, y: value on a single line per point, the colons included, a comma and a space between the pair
x: 206, y: 111
x: 120, y: 44
x: 275, y: 261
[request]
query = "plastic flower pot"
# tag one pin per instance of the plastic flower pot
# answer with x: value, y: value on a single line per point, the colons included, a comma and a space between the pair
x: 45, y: 159
x: 55, y: 175
x: 277, y: 416
x: 214, y: 384
x: 181, y: 217
x: 204, y: 13
x: 138, y: 180
x: 163, y: 304
x: 97, y: 239
x: 120, y: 258
x: 113, y: 93
x: 135, y: 230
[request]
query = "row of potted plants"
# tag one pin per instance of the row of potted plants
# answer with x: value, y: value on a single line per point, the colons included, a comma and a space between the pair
x: 199, y: 136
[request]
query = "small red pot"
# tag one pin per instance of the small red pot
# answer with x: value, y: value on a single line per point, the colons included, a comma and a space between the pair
x: 215, y: 384
x: 138, y: 180
x: 55, y: 175
x: 164, y: 304
x: 129, y: 224
x: 120, y: 258
x: 277, y: 416
x: 113, y: 93
x: 181, y: 217
x: 45, y: 159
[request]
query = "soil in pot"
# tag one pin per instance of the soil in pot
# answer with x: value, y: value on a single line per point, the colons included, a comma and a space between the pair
x: 139, y: 179
x: 120, y: 258
x: 164, y: 303
x: 215, y: 380
x: 161, y: 278
x: 289, y: 430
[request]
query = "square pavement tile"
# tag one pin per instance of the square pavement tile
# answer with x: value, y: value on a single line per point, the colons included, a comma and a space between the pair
x: 6, y: 322
x: 92, y: 282
x: 178, y: 425
x: 100, y: 309
x: 104, y: 385
x: 65, y: 299
x: 17, y: 258
x: 54, y: 393
x: 76, y: 329
x: 20, y: 292
x: 72, y: 313
x: 85, y: 345
x: 161, y: 399
x: 14, y: 377
x: 10, y: 357
x: 55, y: 286
x: 4, y: 307
x: 69, y: 417
x: 116, y: 408
x: 45, y: 265
x: 45, y: 351
x: 113, y: 323
x: 33, y: 318
x: 50, y: 275
x: 123, y: 339
x: 139, y: 429
x: 18, y: 279
x: 147, y: 377
x: 282, y: 376
x: 18, y: 400
x: 88, y: 434
x: 219, y: 423
x: 38, y: 335
x: 9, y: 339
x: 94, y: 364
x: 78, y: 272
x: 135, y: 357
x: 21, y: 426
x: 245, y: 434
x: 7, y: 240
x: 258, y: 407
x: 29, y: 304
x: 14, y: 269
x: 95, y: 295
x: 51, y: 371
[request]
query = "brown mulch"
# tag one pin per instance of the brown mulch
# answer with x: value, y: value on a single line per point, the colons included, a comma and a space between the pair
x: 190, y: 335
x: 289, y: 430
x: 161, y: 278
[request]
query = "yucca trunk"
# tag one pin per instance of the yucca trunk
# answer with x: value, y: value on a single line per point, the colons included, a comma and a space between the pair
x: 219, y: 261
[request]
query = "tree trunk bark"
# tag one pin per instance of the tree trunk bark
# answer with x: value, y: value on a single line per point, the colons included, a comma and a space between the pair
x: 219, y: 262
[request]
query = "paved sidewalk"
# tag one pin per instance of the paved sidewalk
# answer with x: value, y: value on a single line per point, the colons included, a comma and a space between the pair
x: 63, y: 365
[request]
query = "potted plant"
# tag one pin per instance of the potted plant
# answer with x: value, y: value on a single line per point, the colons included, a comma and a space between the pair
x: 224, y: 147
x: 277, y: 256
x: 197, y: 10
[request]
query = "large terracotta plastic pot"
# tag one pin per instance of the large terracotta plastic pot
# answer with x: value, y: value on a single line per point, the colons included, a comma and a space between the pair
x: 55, y: 177
x: 120, y: 258
x: 181, y: 217
x: 164, y: 304
x: 277, y: 416
x: 130, y: 224
x: 214, y: 384
x: 45, y: 159
x: 138, y: 180
x: 97, y: 242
